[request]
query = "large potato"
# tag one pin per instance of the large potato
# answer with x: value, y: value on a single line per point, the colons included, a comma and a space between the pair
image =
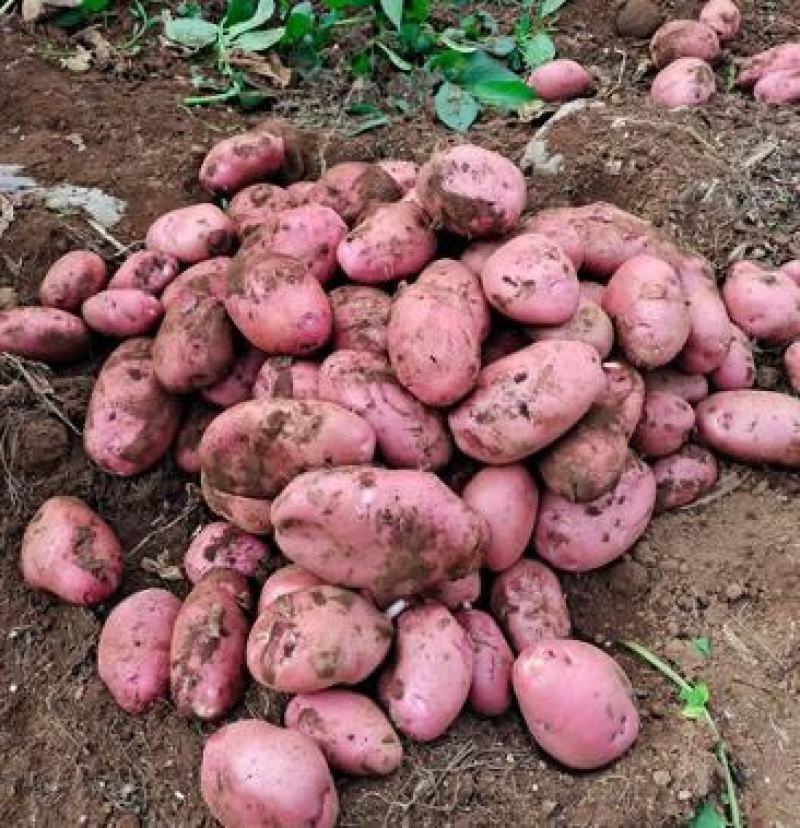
x: 738, y: 369
x: 237, y: 385
x: 316, y: 637
x: 393, y: 532
x: 222, y: 545
x: 71, y: 552
x: 208, y: 278
x: 724, y: 18
x: 687, y: 81
x: 682, y: 39
x: 577, y: 703
x: 692, y: 387
x: 72, y: 279
x: 778, y: 58
x: 353, y: 186
x: 560, y: 80
x: 284, y: 581
x: 682, y: 477
x: 192, y: 234
x: 146, y: 270
x: 239, y: 160
x: 122, y: 312
x: 527, y: 400
x: 255, y: 204
x: 187, y: 441
x: 427, y: 684
x: 255, y: 774
x: 133, y: 649
x: 667, y: 420
x: 43, y: 334
x: 779, y: 87
x: 131, y: 418
x: 287, y: 379
x: 589, y: 324
x: 360, y: 316
x: 250, y: 514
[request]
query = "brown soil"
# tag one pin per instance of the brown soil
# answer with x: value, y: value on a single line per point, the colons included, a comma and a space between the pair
x: 723, y: 179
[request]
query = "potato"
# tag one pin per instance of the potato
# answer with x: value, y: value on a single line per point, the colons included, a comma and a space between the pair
x: 455, y: 595
x: 681, y: 39
x: 490, y: 690
x: 638, y: 19
x: 234, y: 162
x: 205, y: 279
x: 43, y: 334
x: 738, y: 369
x: 755, y: 426
x: 287, y: 378
x: 187, y: 442
x: 578, y: 537
x: 665, y: 425
x: 404, y: 173
x: 791, y: 364
x: 146, y: 270
x: 529, y: 605
x: 256, y: 204
x: 351, y: 187
x: 472, y: 192
x: 222, y: 545
x: 391, y: 242
x: 284, y: 581
x: 71, y: 552
x: 316, y: 637
x: 792, y: 269
x: 686, y: 81
x: 577, y: 703
x: 408, y: 434
x: 360, y: 316
x: 133, y: 649
x: 250, y: 514
x: 428, y: 682
x: 393, y: 532
x: 311, y: 234
x: 593, y: 292
x: 350, y: 729
x: 207, y: 651
x: 255, y: 448
x: 295, y: 149
x: 682, y: 477
x: 122, y: 312
x: 527, y: 400
x: 477, y: 254
x: 72, y: 279
x: 692, y: 387
x: 588, y: 462
x: 646, y: 302
x: 781, y: 86
x: 560, y: 80
x: 299, y: 192
x: 192, y: 234
x: 131, y: 418
x: 502, y: 342
x: 277, y: 304
x: 254, y: 773
x: 507, y: 496
x: 723, y: 16
x: 564, y: 227
x: 784, y: 56
x: 589, y: 324
x: 237, y: 385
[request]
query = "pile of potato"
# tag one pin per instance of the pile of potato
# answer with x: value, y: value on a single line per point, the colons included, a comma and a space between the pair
x: 409, y: 383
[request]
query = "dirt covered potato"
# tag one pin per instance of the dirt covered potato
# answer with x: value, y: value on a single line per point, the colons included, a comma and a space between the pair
x: 665, y: 425
x: 44, y: 334
x: 403, y: 172
x: 681, y: 39
x: 283, y: 581
x: 192, y: 234
x: 72, y: 279
x: 286, y: 378
x: 560, y: 80
x: 146, y: 270
x: 351, y: 187
x: 257, y: 203
x: 687, y: 81
x: 360, y: 316
x: 692, y: 387
x: 237, y: 385
x: 589, y: 324
x: 738, y: 369
x: 250, y: 514
x: 239, y: 160
x: 723, y: 16
x: 564, y: 227
x: 778, y: 58
x: 779, y: 87
x: 684, y: 476
x: 222, y: 545
x: 122, y: 312
x: 208, y: 278
x: 187, y: 442
x: 457, y: 594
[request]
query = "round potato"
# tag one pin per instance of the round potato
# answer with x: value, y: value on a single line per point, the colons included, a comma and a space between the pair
x: 683, y: 39
x: 72, y: 279
x: 284, y: 581
x: 792, y: 269
x: 287, y: 379
x: 192, y: 234
x: 723, y: 16
x: 589, y: 324
x: 222, y: 545
x: 352, y: 187
x: 44, y: 334
x: 257, y: 203
x: 560, y: 80
x: 122, y: 312
x: 692, y: 387
x: 665, y: 424
x: 682, y: 477
x: 738, y: 369
x: 687, y: 81
x: 250, y: 514
x: 146, y: 270
x: 780, y: 87
x: 360, y: 316
x: 239, y: 160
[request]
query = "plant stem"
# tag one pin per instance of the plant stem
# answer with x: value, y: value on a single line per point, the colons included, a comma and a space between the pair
x: 354, y: 21
x: 202, y: 100
x: 654, y: 661
x: 730, y: 787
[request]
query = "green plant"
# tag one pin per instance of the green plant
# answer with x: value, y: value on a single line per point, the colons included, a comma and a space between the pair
x: 143, y: 21
x: 72, y: 18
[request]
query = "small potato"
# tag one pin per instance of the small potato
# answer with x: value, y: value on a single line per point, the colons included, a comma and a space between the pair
x: 122, y: 312
x: 131, y: 419
x: 287, y: 378
x: 391, y: 242
x: 360, y: 316
x: 72, y: 279
x: 187, y: 443
x: 299, y: 192
x: 209, y: 278
x: 687, y: 81
x: 791, y: 364
x: 427, y: 684
x: 350, y: 729
x: 723, y: 16
x: 350, y: 188
x: 665, y: 425
x: 234, y: 162
x: 578, y: 537
x: 646, y: 302
x: 256, y: 204
x: 754, y: 426
x: 692, y: 387
x: 490, y: 691
x: 593, y: 292
x: 781, y: 86
x: 477, y: 254
x: 146, y: 270
x: 284, y: 581
x: 256, y: 774
x: 589, y: 324
x: 250, y: 514
x: 529, y: 605
x: 577, y: 703
x: 455, y: 595
x: 564, y: 227
x: 316, y: 637
x: 502, y: 342
x: 71, y: 552
x: 792, y: 269
x: 44, y: 334
x: 785, y: 56
x: 560, y: 80
x: 133, y: 649
x: 192, y: 234
x: 207, y: 651
x: 682, y: 477
x: 681, y: 39
x: 738, y: 369
x: 237, y: 385
x: 277, y: 304
x: 222, y: 545
x: 507, y: 496
x: 404, y: 173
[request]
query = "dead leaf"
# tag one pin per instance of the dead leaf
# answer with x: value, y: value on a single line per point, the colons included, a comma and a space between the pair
x: 160, y: 566
x: 269, y: 66
x: 6, y: 213
x: 80, y: 61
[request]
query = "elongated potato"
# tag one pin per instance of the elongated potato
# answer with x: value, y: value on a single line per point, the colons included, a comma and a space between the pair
x: 316, y: 637
x: 133, y: 649
x: 287, y: 378
x: 237, y: 385
x: 527, y: 400
x: 692, y: 387
x: 284, y: 581
x: 577, y: 703
x: 589, y: 324
x: 208, y: 278
x: 420, y: 703
x: 187, y: 442
x: 72, y: 279
x: 682, y: 477
x: 222, y: 545
x: 250, y: 514
x: 257, y: 203
x: 687, y: 81
x: 192, y: 234
x: 43, y: 334
x: 393, y: 532
x: 779, y: 87
x: 560, y: 80
x: 352, y: 187
x: 682, y: 39
x: 239, y: 160
x: 122, y: 312
x: 738, y: 369
x: 146, y: 270
x: 791, y: 363
x: 784, y: 56
x: 665, y: 424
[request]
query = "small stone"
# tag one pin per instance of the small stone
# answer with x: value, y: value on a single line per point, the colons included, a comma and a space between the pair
x: 662, y: 778
x: 643, y: 553
x: 548, y: 806
x: 684, y: 795
x: 8, y: 298
x: 734, y: 591
x: 638, y: 19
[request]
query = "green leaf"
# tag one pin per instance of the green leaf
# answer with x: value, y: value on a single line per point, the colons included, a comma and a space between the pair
x: 401, y: 63
x: 361, y: 64
x: 95, y: 6
x: 263, y: 12
x: 491, y: 83
x: 548, y: 7
x: 694, y: 698
x: 393, y: 9
x: 417, y: 11
x: 703, y: 646
x: 363, y: 108
x: 455, y: 107
x: 454, y: 39
x: 537, y: 49
x: 259, y: 41
x: 299, y: 22
x: 250, y: 98
x: 707, y: 816
x: 70, y: 18
x: 500, y: 46
x: 191, y: 32
x: 370, y: 123
x: 415, y: 38
x: 190, y: 9
x: 238, y: 11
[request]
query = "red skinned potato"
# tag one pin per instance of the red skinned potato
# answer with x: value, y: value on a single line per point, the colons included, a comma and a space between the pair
x: 507, y: 496
x: 687, y: 81
x: 391, y: 242
x: 564, y: 227
x: 122, y: 312
x: 527, y: 400
x: 578, y: 537
x: 791, y: 363
x: 44, y: 334
x: 723, y: 16
x: 477, y: 253
x: 234, y: 162
x: 393, y: 532
x: 692, y: 387
x: 299, y: 192
x: 133, y: 649
x: 187, y: 443
x: 781, y: 86
x: 250, y: 514
x: 255, y: 774
x: 502, y: 342
x: 404, y: 173
x: 785, y: 56
x: 577, y: 703
x: 792, y: 269
x: 589, y: 324
x: 419, y: 702
x: 665, y: 425
x: 205, y: 279
x: 237, y: 385
x: 408, y: 434
x: 455, y: 595
x: 738, y: 369
x: 472, y: 192
x: 351, y: 187
x: 682, y: 477
x: 207, y: 651
x: 316, y: 637
x: 131, y: 419
x: 72, y: 279
x: 286, y: 378
x: 360, y: 316
x: 146, y: 270
x: 192, y: 234
x: 71, y: 552
x: 490, y: 691
x: 560, y: 80
x: 593, y: 292
x: 284, y: 581
x: 254, y: 205
x: 681, y: 39
x: 754, y: 426
x: 222, y: 545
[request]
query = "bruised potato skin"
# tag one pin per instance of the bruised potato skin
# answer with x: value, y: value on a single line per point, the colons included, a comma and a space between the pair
x: 664, y: 427
x: 72, y: 279
x: 724, y: 17
x: 255, y: 204
x: 687, y: 81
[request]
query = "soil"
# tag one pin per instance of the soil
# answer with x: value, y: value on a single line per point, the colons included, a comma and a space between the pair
x: 723, y: 179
